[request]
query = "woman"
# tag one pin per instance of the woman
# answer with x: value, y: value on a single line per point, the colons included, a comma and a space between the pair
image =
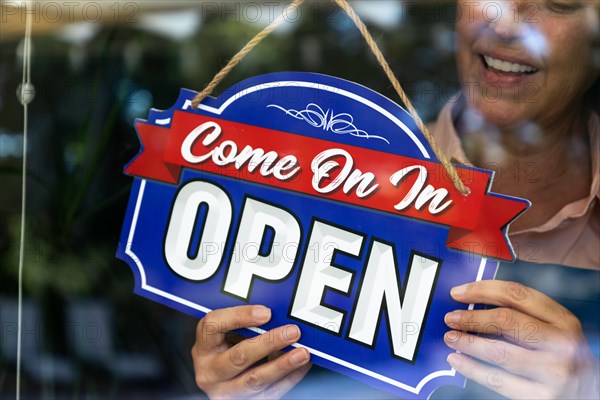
x: 527, y: 71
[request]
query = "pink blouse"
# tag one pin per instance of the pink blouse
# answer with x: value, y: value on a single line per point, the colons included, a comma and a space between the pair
x: 572, y: 236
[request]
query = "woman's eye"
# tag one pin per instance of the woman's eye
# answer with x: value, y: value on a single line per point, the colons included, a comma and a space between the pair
x: 563, y: 6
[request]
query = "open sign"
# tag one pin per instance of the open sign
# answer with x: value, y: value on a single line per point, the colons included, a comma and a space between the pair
x: 320, y: 199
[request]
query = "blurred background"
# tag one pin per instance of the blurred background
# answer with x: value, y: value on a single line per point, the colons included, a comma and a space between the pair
x: 98, y: 65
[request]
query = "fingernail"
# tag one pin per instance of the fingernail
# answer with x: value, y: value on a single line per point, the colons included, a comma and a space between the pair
x: 454, y: 360
x: 291, y: 333
x: 458, y: 290
x: 452, y: 317
x: 261, y: 313
x: 495, y: 380
x: 299, y: 357
x: 451, y: 337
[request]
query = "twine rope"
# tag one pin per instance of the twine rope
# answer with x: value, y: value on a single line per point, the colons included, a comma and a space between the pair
x: 344, y: 5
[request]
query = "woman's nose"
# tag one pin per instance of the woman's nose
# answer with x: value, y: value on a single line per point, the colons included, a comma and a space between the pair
x: 511, y: 21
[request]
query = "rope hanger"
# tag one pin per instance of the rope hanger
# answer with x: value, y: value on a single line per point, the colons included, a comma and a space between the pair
x: 344, y: 5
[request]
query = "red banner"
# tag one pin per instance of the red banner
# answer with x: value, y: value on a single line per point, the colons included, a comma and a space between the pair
x: 367, y: 178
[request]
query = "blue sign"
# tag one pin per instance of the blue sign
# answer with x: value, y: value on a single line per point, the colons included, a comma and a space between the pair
x: 320, y: 199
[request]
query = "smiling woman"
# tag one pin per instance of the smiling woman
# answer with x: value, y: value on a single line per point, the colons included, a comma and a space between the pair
x: 547, y: 46
x: 523, y: 110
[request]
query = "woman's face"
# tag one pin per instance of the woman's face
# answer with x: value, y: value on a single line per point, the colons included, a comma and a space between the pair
x: 527, y: 61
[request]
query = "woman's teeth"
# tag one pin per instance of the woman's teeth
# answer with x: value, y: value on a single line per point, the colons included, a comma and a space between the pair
x: 505, y: 66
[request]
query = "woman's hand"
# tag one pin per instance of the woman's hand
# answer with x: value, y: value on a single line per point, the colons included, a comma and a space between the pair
x: 532, y: 346
x: 231, y: 371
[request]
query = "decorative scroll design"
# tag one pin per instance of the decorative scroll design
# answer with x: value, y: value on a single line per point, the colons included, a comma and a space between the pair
x: 340, y: 124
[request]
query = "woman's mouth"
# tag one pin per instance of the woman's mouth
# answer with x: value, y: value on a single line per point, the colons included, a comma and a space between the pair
x: 506, y: 67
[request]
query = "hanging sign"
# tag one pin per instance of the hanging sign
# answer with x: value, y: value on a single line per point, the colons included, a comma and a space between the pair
x: 320, y: 199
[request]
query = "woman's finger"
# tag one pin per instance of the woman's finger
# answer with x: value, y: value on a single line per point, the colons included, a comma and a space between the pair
x: 512, y: 358
x: 496, y: 379
x: 508, y: 323
x: 211, y: 329
x: 245, y: 354
x: 517, y: 296
x: 263, y: 380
